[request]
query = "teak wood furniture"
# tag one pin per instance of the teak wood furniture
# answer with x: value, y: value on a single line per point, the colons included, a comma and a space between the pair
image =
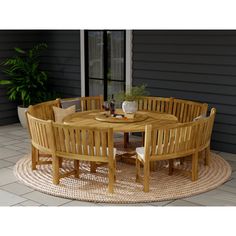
x: 72, y: 142
x: 88, y: 119
x: 84, y: 103
x: 174, y: 141
x: 41, y: 139
x: 43, y: 112
x: 83, y: 144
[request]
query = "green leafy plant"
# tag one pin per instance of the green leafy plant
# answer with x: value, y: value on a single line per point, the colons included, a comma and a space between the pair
x: 133, y: 94
x: 26, y: 83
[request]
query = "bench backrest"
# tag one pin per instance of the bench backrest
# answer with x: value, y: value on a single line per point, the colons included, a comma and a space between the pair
x: 91, y: 144
x: 91, y: 103
x: 206, y: 130
x: 44, y: 110
x: 186, y: 111
x: 41, y: 133
x: 171, y: 141
x: 158, y: 104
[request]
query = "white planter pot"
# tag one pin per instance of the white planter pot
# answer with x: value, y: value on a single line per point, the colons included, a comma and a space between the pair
x: 21, y: 115
x: 129, y: 107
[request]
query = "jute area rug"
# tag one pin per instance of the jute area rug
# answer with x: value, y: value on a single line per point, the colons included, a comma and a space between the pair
x: 93, y: 186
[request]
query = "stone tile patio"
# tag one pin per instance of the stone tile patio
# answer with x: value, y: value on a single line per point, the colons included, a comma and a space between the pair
x: 14, y: 143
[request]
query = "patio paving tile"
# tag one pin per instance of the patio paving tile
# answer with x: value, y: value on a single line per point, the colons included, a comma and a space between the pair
x: 14, y: 159
x: 18, y: 133
x: 45, y: 199
x: 9, y: 199
x: 181, y: 202
x: 23, y: 145
x: 12, y: 142
x: 234, y: 175
x: 5, y: 152
x: 6, y: 176
x: 232, y: 164
x: 214, y: 198
x: 17, y: 188
x: 79, y: 203
x: 231, y: 183
x: 4, y: 139
x: 4, y: 163
x: 227, y: 188
x: 126, y: 205
x: 13, y: 147
x: 162, y: 203
x: 228, y: 156
x: 28, y: 203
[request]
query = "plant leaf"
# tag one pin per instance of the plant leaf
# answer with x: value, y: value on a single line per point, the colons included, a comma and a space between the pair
x: 20, y: 50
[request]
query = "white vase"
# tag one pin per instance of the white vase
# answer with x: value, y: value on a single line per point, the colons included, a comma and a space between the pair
x: 21, y: 115
x: 129, y: 107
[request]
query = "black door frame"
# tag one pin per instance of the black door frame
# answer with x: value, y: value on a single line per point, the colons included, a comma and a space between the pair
x: 105, y: 66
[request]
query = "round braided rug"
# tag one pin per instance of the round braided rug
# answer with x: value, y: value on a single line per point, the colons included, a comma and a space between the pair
x: 93, y: 186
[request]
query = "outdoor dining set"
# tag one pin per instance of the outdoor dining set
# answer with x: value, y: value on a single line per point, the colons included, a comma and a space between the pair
x: 81, y: 130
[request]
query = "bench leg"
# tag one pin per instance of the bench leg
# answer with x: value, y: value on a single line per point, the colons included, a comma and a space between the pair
x: 76, y: 166
x: 34, y: 157
x: 207, y: 156
x: 195, y: 166
x: 146, y: 170
x: 126, y: 140
x: 55, y: 166
x: 137, y: 170
x: 171, y: 166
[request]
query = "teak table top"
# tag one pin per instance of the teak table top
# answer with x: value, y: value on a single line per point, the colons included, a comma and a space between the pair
x: 87, y: 118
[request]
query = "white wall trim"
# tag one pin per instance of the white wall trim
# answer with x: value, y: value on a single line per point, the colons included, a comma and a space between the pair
x: 82, y: 63
x: 128, y: 74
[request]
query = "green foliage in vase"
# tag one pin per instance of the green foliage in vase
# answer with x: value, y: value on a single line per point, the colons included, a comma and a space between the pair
x: 26, y: 83
x: 133, y: 94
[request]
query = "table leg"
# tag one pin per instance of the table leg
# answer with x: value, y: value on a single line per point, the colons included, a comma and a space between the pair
x: 126, y: 140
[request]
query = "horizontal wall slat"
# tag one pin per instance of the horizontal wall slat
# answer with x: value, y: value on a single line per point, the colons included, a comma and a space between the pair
x: 209, y: 69
x: 188, y: 59
x: 198, y: 87
x: 194, y: 65
x: 184, y: 76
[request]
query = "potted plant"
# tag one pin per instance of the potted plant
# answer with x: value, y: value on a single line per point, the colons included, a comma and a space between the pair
x: 26, y: 83
x: 129, y: 98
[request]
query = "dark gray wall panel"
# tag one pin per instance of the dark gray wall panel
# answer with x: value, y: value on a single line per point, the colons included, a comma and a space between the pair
x: 195, y: 65
x: 61, y: 60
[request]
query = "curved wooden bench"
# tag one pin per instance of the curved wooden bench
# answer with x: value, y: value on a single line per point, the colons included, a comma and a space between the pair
x: 206, y: 132
x: 186, y: 110
x: 175, y: 141
x: 41, y: 116
x: 83, y: 144
x: 158, y: 104
x: 41, y: 139
x: 44, y: 110
x: 84, y: 103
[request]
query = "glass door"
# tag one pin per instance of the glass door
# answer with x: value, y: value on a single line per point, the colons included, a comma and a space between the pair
x: 104, y: 62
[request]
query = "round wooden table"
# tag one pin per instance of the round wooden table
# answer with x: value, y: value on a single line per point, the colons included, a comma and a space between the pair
x: 88, y: 118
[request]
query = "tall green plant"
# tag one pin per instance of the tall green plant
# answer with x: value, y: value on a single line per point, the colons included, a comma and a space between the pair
x: 133, y: 94
x: 26, y: 83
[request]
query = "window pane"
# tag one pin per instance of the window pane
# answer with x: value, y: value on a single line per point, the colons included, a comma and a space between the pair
x: 115, y: 55
x: 96, y: 87
x: 114, y: 87
x: 95, y: 54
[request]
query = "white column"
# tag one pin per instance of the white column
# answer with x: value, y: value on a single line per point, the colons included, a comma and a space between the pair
x: 128, y: 60
x: 82, y: 63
